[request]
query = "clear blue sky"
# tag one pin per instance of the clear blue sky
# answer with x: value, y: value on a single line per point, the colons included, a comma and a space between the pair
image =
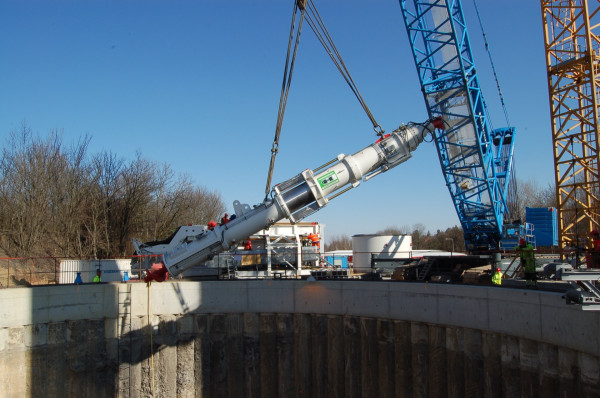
x: 196, y: 84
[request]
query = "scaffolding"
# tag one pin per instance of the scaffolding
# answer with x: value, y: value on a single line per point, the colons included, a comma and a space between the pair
x: 572, y: 60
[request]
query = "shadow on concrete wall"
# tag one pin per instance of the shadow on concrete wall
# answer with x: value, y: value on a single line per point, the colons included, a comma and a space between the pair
x: 64, y: 344
x: 77, y: 342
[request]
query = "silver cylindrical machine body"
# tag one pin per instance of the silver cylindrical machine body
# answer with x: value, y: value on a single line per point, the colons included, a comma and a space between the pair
x: 307, y: 190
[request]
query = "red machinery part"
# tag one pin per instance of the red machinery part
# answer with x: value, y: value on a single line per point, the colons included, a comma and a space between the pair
x: 158, y: 272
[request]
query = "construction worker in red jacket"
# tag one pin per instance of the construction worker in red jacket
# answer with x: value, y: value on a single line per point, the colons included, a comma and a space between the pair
x: 596, y: 239
x: 593, y: 258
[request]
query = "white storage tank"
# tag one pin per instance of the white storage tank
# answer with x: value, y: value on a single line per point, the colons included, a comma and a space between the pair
x: 382, y: 246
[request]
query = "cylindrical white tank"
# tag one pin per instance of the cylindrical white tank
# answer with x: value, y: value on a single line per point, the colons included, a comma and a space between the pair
x: 382, y: 246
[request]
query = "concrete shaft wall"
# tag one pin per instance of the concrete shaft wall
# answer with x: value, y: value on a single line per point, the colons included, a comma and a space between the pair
x: 295, y: 338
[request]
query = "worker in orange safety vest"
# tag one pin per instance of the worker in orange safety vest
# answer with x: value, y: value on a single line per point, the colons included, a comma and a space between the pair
x: 314, y: 239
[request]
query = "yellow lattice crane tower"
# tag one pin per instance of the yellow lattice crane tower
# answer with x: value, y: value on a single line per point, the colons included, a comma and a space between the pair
x: 572, y: 47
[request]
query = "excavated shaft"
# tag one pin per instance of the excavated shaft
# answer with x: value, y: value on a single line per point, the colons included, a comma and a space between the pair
x: 298, y: 197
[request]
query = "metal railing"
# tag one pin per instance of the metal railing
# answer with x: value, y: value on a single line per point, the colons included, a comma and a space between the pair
x: 41, y: 271
x: 28, y: 271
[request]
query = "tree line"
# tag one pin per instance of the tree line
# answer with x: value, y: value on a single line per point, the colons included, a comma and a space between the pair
x: 526, y: 194
x: 58, y: 200
x: 450, y: 239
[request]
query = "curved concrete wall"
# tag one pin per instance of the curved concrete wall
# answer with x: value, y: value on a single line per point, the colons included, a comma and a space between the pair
x: 295, y: 338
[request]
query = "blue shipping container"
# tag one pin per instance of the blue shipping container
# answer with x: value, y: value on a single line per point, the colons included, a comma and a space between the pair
x: 545, y: 225
x: 337, y: 261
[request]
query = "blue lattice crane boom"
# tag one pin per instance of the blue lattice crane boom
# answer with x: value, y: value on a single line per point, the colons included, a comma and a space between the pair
x: 476, y: 161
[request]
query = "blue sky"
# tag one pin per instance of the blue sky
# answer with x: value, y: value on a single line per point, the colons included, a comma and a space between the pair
x: 196, y: 84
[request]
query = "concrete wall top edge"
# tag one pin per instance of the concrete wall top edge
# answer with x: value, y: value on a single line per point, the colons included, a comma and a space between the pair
x: 49, y: 304
x: 539, y: 316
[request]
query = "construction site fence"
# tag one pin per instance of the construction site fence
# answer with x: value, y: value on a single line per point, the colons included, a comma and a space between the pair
x: 40, y: 271
x: 28, y: 271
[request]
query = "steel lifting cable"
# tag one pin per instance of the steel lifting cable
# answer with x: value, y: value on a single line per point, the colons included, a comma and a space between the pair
x: 285, y: 86
x: 315, y: 22
x: 318, y: 27
x: 487, y: 48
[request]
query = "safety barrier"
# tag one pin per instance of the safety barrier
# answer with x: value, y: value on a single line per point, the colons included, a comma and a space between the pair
x: 28, y: 271
x: 36, y: 271
x: 40, y: 271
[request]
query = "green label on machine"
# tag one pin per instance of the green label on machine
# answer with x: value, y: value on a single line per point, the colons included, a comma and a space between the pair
x: 328, y: 180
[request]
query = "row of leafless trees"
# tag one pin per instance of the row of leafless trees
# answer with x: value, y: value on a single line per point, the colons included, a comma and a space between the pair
x: 528, y: 194
x: 56, y: 200
x: 422, y: 239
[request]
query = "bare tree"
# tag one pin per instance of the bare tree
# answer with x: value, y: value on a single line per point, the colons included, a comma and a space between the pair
x: 203, y: 206
x: 54, y: 201
x: 68, y: 194
x: 28, y: 170
x: 422, y: 239
x: 340, y: 242
x: 530, y: 194
x: 391, y: 230
x: 107, y: 169
x: 169, y: 198
x: 419, y: 234
x: 136, y: 183
x: 450, y: 239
